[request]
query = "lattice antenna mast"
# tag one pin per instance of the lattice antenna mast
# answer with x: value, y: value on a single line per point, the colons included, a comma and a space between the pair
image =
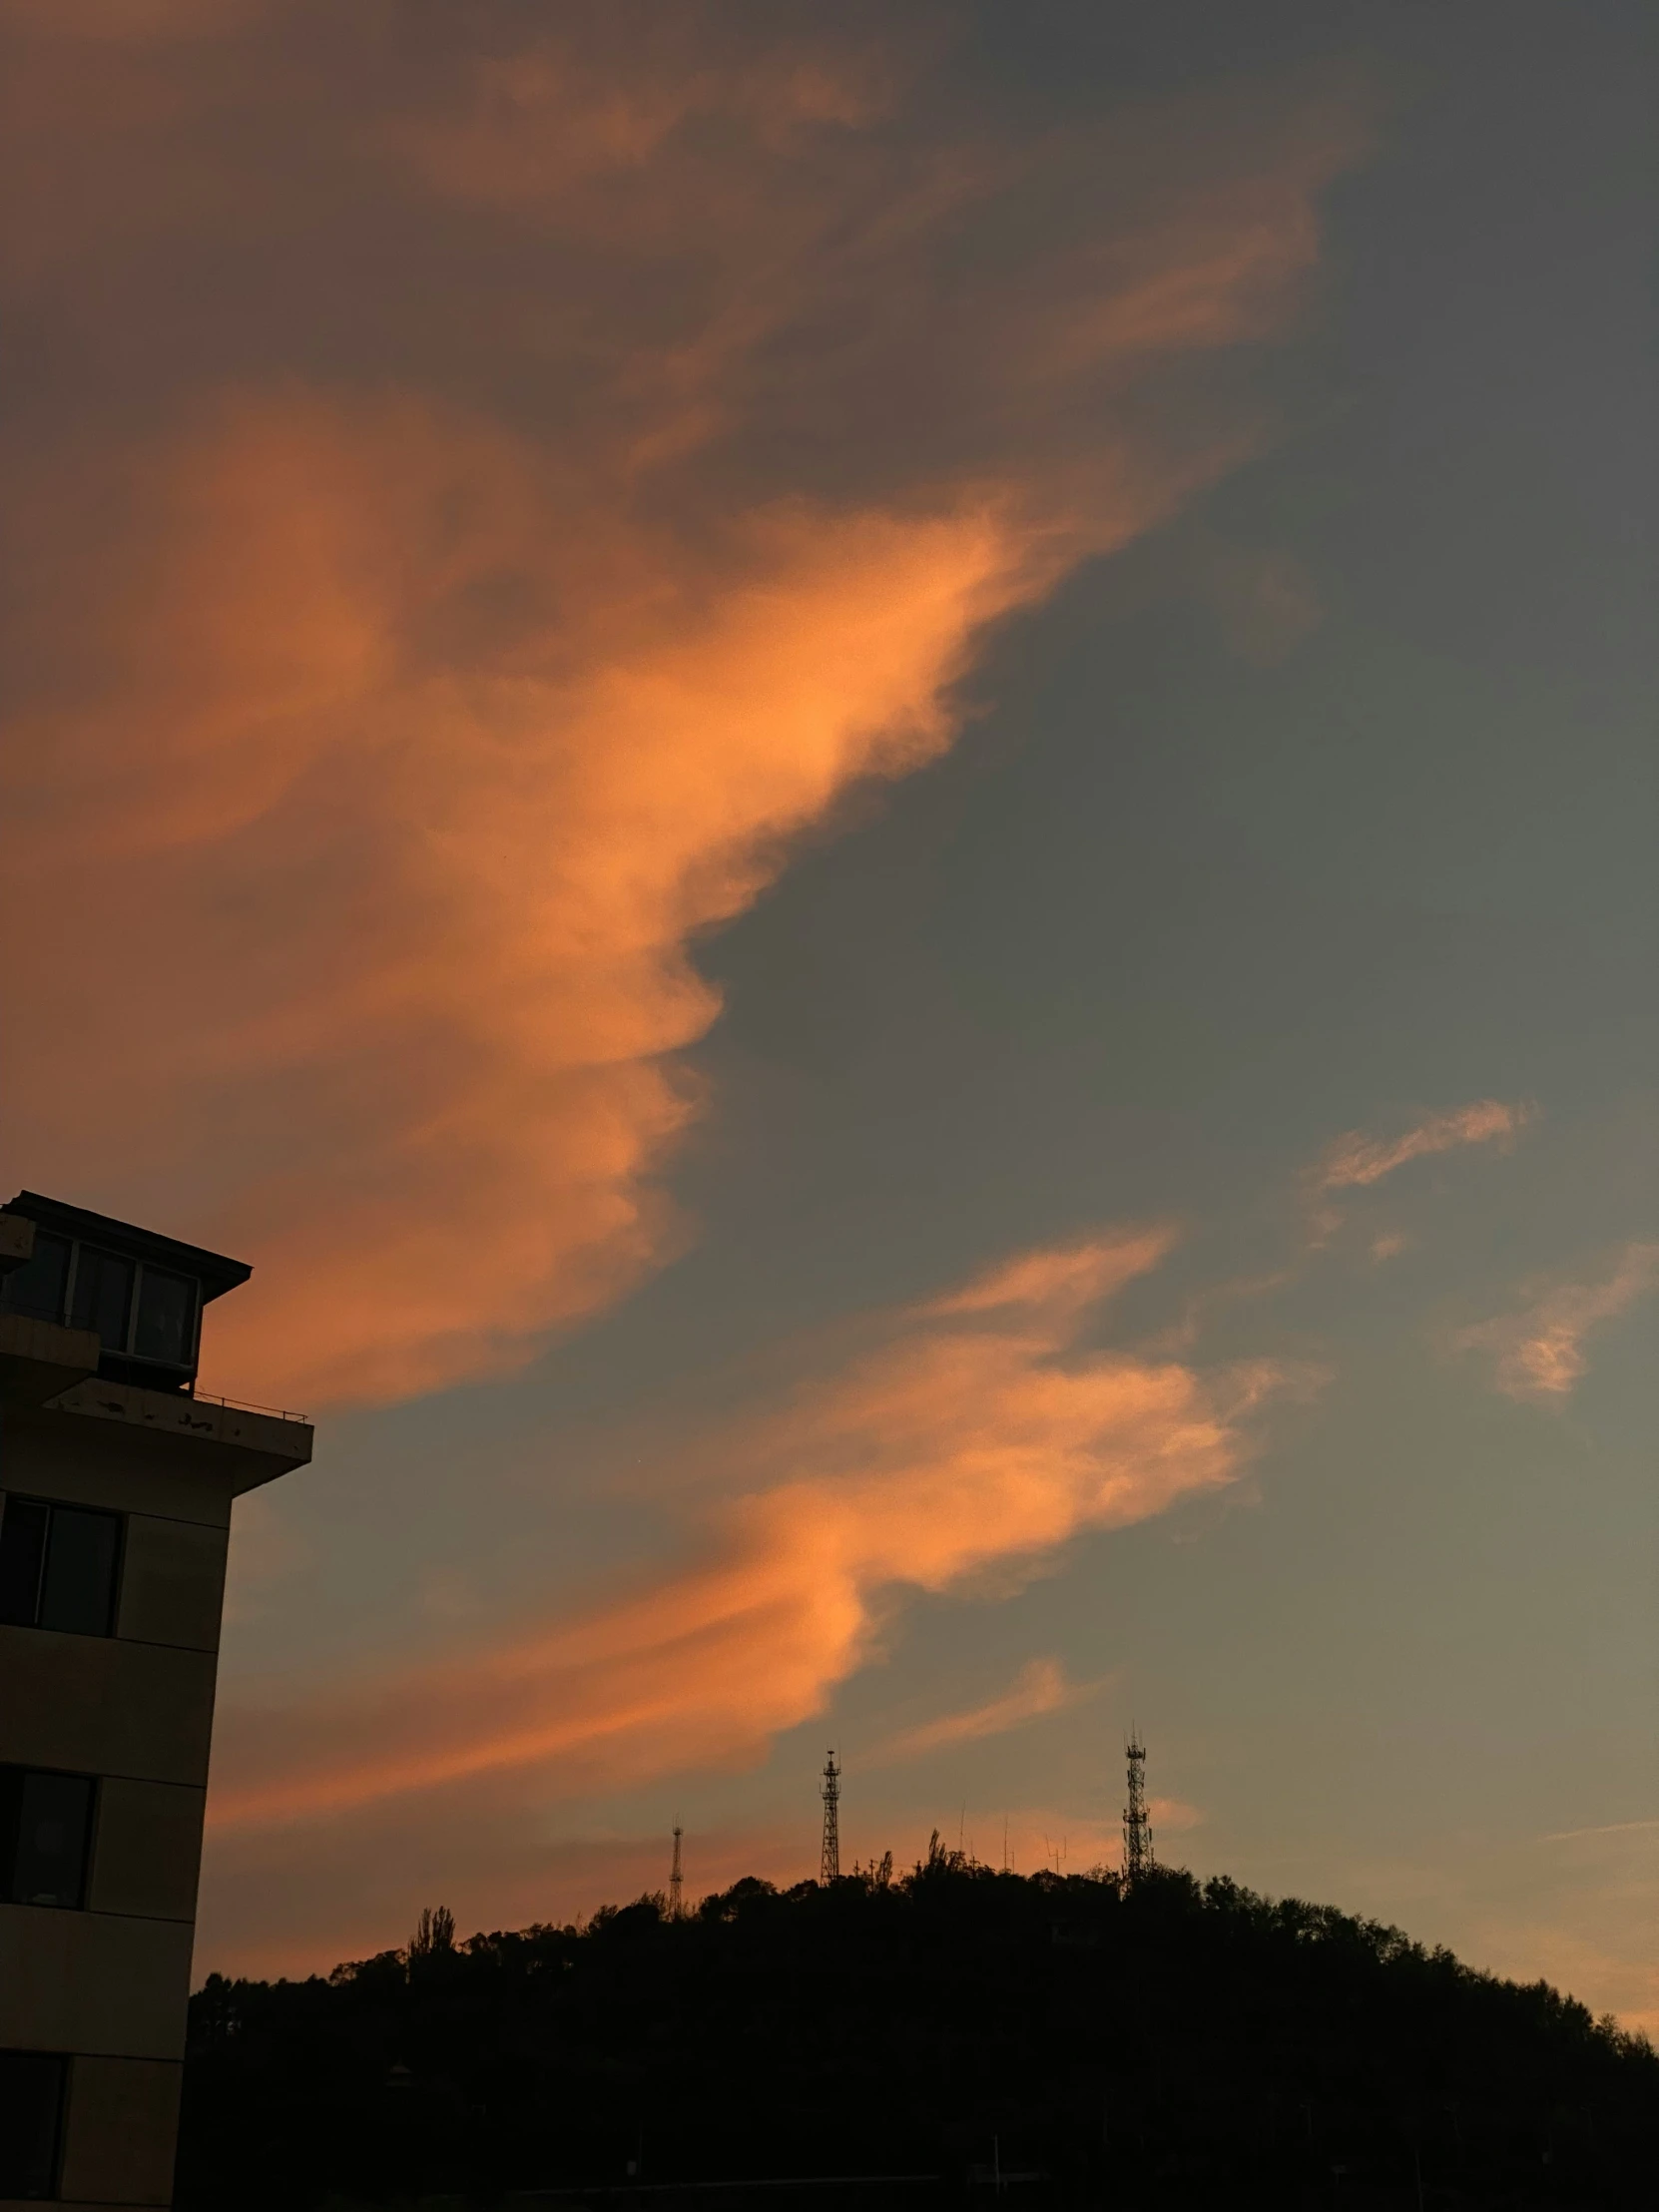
x: 829, y: 1859
x: 1138, y: 1861
x: 676, y: 1881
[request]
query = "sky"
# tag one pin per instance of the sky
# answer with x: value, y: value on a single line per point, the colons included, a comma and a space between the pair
x: 872, y: 790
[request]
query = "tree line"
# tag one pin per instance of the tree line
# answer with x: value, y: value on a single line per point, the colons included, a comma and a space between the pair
x: 1053, y: 2037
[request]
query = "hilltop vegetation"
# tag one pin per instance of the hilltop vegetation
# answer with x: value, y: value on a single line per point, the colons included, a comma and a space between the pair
x: 1181, y: 2045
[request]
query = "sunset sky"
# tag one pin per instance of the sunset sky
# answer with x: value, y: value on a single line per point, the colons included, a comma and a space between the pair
x: 872, y: 788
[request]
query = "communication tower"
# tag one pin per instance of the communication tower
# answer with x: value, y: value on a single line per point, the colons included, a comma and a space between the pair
x: 676, y: 1883
x: 829, y: 1860
x: 1137, y: 1824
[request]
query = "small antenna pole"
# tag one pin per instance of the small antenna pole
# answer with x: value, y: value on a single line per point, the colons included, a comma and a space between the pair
x: 676, y: 1881
x: 829, y: 1857
x: 1138, y: 1861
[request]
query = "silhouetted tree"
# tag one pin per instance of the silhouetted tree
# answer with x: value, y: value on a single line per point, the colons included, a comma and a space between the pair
x: 1182, y: 2046
x: 435, y: 1932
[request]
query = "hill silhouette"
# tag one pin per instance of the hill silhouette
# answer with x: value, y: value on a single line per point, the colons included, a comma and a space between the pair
x: 1043, y: 2038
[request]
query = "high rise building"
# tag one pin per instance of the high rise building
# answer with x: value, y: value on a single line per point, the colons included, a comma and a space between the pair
x: 116, y: 1486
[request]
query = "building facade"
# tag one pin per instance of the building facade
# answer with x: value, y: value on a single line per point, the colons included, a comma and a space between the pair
x: 115, y: 1488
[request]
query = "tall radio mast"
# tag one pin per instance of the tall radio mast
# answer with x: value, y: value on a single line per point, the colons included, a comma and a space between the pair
x: 676, y: 1881
x: 1138, y: 1861
x: 829, y: 1859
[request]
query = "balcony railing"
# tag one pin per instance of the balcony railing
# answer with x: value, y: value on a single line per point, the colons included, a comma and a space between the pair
x: 245, y: 1406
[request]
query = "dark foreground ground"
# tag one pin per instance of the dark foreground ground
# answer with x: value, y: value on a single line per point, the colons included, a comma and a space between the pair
x: 969, y: 2035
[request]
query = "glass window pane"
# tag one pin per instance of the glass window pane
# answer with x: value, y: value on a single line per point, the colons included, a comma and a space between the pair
x: 102, y: 1294
x: 11, y: 1805
x: 54, y: 1821
x: 166, y: 1317
x: 31, y: 2116
x: 38, y: 1285
x: 78, y: 1588
x: 22, y: 1555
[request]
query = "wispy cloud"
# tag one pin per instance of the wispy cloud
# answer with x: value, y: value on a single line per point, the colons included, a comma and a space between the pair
x: 1040, y: 1688
x: 1358, y: 1160
x: 1265, y: 599
x: 402, y: 677
x: 1611, y: 1827
x: 976, y: 1434
x: 1171, y: 1815
x: 1537, y: 1353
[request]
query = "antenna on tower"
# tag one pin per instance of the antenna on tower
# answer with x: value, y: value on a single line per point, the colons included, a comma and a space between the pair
x: 676, y: 1881
x: 829, y: 1859
x: 1138, y: 1861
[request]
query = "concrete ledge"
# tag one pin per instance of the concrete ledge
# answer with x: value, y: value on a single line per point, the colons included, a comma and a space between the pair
x: 249, y: 1447
x: 97, y: 1462
x: 38, y: 1360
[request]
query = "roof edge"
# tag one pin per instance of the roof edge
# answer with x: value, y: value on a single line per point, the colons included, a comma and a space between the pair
x: 215, y: 1273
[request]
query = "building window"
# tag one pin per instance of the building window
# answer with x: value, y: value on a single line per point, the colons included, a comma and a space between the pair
x: 144, y: 1317
x: 164, y: 1324
x: 102, y: 1297
x: 41, y: 1285
x: 32, y: 2084
x: 58, y: 1566
x: 45, y: 1837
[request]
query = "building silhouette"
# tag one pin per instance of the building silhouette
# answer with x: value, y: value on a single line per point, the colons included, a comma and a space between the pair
x: 116, y: 1486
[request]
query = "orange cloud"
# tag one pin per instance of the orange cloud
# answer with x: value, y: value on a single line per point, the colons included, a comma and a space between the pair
x: 1061, y: 1280
x: 963, y: 1440
x: 1539, y: 1354
x: 1171, y: 1815
x: 428, y: 925
x: 620, y: 454
x: 1356, y: 1161
x: 1039, y: 1689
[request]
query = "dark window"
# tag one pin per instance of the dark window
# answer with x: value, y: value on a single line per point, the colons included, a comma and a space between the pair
x: 101, y: 1295
x: 22, y: 1557
x: 38, y: 1285
x: 78, y: 1588
x: 31, y: 2122
x: 166, y: 1317
x: 58, y: 1566
x: 45, y: 1834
